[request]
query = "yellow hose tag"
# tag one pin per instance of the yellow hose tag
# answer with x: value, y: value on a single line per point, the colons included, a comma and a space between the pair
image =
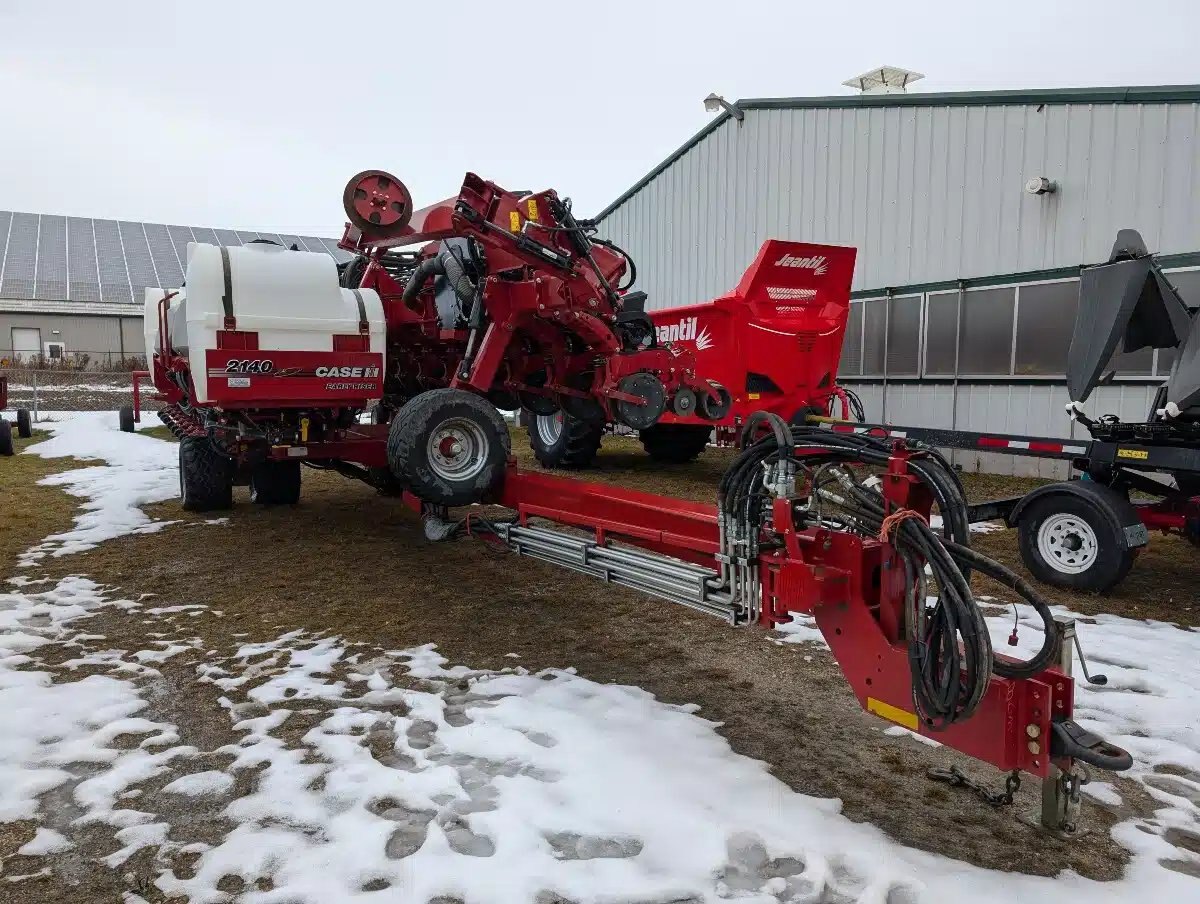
x: 303, y: 429
x: 892, y: 713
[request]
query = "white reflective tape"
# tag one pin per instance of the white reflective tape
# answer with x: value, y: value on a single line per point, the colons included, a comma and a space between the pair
x: 1075, y: 450
x: 1017, y: 444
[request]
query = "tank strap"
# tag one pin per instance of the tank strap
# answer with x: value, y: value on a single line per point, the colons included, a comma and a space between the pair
x: 227, y: 298
x: 364, y: 326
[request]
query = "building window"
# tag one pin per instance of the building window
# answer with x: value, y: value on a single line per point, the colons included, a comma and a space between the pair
x: 874, y: 336
x: 1045, y: 323
x: 987, y: 332
x: 941, y: 334
x: 852, y: 344
x: 904, y: 336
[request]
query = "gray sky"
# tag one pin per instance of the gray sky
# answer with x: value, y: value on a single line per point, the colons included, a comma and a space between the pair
x: 253, y: 114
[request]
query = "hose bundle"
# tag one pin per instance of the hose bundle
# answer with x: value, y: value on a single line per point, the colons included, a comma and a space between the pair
x: 949, y: 650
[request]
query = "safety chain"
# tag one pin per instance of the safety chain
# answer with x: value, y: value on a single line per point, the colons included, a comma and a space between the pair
x: 955, y: 778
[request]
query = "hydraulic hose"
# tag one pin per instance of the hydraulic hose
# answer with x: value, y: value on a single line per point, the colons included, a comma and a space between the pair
x: 444, y: 263
x: 950, y: 652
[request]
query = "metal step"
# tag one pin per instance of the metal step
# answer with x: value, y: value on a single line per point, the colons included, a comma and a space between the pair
x: 671, y: 579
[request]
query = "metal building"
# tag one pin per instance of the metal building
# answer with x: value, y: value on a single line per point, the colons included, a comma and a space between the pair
x: 72, y: 288
x: 972, y: 213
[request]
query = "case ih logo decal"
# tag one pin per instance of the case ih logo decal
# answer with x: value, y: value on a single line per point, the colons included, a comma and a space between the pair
x: 686, y: 331
x: 358, y: 372
x: 818, y: 264
x: 782, y: 293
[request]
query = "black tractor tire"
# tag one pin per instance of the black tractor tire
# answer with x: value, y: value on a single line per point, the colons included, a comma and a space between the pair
x: 24, y: 423
x: 205, y: 476
x: 125, y: 418
x: 6, y: 440
x: 1068, y: 541
x: 675, y: 444
x: 275, y: 483
x: 562, y: 441
x: 448, y: 446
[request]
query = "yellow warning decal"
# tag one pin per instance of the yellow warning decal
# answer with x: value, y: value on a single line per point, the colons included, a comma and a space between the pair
x: 754, y: 395
x: 1133, y: 453
x: 532, y: 205
x: 892, y: 713
x: 514, y: 221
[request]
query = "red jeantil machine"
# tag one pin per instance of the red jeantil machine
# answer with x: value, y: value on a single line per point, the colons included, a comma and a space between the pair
x: 513, y: 301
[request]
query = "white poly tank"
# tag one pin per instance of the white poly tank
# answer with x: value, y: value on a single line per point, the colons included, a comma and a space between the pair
x: 290, y: 298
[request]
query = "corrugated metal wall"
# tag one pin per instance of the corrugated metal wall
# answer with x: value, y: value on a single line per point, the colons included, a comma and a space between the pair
x: 98, y: 336
x: 925, y: 193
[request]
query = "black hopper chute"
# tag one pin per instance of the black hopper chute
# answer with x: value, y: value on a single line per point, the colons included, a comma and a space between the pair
x: 1128, y: 301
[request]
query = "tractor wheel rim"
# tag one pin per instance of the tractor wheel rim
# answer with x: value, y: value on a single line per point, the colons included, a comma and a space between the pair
x: 550, y: 427
x: 457, y: 449
x: 1068, y: 544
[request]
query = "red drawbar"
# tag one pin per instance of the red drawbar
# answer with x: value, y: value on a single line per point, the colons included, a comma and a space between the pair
x: 356, y: 343
x: 237, y: 340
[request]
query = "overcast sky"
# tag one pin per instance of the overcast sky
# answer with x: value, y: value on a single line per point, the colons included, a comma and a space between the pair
x: 253, y: 114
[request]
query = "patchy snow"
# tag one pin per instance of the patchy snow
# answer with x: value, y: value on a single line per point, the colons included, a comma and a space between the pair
x: 45, y: 841
x: 200, y: 784
x: 137, y: 470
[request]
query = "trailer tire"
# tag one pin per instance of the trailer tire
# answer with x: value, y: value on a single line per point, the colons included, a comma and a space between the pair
x: 125, y: 418
x: 448, y: 446
x: 561, y: 441
x: 6, y: 440
x: 205, y: 476
x: 24, y: 423
x: 1068, y: 541
x: 675, y: 443
x: 275, y: 483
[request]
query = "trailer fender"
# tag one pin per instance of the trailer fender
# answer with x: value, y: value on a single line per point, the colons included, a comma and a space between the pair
x: 1116, y: 508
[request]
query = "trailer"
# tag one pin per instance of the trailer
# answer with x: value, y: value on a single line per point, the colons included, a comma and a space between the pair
x: 23, y: 422
x: 1134, y: 476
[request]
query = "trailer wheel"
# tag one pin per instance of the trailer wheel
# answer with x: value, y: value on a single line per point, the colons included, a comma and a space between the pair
x: 125, y: 418
x: 561, y: 441
x: 275, y: 483
x: 205, y: 476
x: 448, y: 446
x: 24, y: 424
x: 6, y: 440
x: 675, y: 444
x: 1068, y: 541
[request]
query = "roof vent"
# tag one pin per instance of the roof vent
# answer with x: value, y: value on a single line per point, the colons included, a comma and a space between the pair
x: 884, y: 80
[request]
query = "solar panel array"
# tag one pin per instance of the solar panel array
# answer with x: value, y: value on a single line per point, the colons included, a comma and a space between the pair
x: 53, y: 258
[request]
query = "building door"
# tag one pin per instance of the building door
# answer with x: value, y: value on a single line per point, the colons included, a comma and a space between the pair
x: 27, y: 343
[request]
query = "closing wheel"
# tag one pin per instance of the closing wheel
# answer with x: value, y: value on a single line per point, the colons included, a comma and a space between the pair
x: 205, y: 476
x: 6, y: 437
x: 715, y: 404
x: 377, y: 202
x: 275, y: 483
x: 125, y: 419
x: 448, y: 446
x: 684, y: 403
x: 561, y: 441
x: 654, y: 400
x: 1068, y: 541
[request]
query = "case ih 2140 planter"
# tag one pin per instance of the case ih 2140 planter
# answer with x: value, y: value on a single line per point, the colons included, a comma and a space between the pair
x: 266, y: 362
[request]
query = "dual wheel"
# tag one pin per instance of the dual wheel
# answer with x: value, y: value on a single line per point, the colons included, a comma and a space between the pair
x: 561, y: 441
x: 24, y: 426
x: 206, y: 478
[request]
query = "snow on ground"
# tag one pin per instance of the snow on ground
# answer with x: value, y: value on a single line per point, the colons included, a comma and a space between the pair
x: 135, y: 471
x: 410, y: 779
